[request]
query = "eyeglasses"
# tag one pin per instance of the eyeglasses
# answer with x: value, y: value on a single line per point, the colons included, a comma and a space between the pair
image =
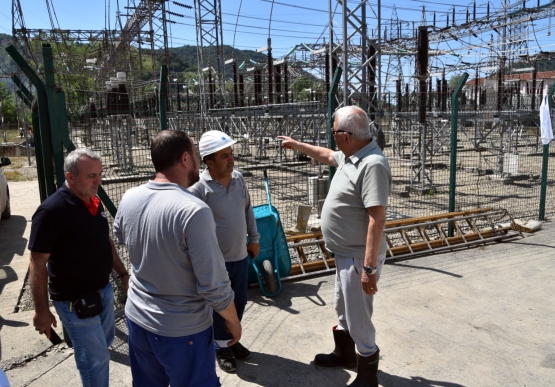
x: 334, y: 132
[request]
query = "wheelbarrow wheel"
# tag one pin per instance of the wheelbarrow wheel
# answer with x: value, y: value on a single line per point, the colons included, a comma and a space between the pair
x: 271, y: 284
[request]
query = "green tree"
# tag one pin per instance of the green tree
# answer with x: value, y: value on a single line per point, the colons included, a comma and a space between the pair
x: 454, y: 81
x: 8, y: 104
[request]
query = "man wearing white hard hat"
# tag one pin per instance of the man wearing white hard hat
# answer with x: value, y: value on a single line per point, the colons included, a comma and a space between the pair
x: 225, y: 192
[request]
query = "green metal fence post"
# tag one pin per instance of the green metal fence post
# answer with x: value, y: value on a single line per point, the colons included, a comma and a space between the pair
x: 23, y: 98
x: 53, y: 111
x: 41, y: 126
x: 23, y: 92
x: 62, y: 117
x: 39, y: 151
x: 332, y: 105
x: 162, y: 97
x: 27, y: 97
x: 545, y: 163
x: 453, y: 162
x: 32, y: 103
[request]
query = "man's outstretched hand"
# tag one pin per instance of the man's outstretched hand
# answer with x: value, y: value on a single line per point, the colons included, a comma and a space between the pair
x: 288, y: 142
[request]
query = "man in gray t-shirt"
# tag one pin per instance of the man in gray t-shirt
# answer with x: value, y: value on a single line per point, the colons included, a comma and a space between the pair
x: 353, y: 220
x: 224, y: 190
x: 178, y: 278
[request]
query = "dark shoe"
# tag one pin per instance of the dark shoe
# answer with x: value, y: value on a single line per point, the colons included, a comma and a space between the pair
x: 240, y: 352
x: 367, y: 371
x: 225, y: 360
x: 343, y: 355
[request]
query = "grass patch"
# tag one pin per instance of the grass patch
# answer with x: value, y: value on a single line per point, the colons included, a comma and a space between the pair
x: 15, y: 176
x: 18, y: 170
x: 12, y: 135
x: 17, y: 162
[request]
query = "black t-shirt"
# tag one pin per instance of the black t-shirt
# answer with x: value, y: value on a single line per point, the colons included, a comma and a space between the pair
x: 80, y: 251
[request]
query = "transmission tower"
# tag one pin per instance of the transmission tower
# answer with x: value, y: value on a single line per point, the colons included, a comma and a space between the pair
x: 19, y: 32
x: 145, y: 13
x: 358, y: 53
x: 208, y: 16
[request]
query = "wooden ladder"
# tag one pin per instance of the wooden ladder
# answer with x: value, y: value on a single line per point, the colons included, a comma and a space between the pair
x: 299, y: 242
x: 428, y: 234
x: 410, y: 237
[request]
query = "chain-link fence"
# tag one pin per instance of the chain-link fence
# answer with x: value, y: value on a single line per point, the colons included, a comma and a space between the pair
x: 499, y: 152
x: 499, y: 155
x: 498, y: 163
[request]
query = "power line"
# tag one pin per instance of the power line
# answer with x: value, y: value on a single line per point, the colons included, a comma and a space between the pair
x: 449, y: 5
x: 295, y: 6
x: 249, y: 32
x: 7, y: 17
x: 273, y: 20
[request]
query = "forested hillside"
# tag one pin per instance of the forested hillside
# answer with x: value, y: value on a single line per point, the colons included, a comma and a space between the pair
x: 182, y: 59
x: 7, y: 65
x: 187, y: 56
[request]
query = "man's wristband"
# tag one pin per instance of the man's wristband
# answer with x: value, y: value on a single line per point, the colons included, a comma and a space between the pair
x: 123, y: 275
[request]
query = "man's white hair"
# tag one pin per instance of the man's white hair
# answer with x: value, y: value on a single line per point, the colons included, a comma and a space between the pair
x: 354, y: 120
x: 71, y: 163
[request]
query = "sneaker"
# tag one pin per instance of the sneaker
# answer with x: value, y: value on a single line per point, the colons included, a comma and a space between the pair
x: 225, y: 360
x: 240, y: 352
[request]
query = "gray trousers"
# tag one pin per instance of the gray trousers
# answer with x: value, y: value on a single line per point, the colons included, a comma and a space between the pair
x: 354, y: 307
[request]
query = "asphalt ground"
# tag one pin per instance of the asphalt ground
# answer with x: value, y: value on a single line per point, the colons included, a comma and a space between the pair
x: 476, y: 317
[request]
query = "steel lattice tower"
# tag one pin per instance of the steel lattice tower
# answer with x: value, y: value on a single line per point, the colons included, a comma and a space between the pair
x: 208, y: 16
x: 358, y: 53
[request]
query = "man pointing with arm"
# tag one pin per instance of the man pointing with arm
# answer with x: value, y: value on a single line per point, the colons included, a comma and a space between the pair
x: 353, y: 219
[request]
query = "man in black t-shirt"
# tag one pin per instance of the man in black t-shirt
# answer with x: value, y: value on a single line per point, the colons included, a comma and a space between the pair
x: 71, y: 249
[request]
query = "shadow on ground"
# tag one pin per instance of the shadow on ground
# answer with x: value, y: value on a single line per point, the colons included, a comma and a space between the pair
x: 11, y: 238
x: 275, y: 371
x: 290, y: 290
x: 13, y: 243
x: 425, y: 268
x: 387, y: 380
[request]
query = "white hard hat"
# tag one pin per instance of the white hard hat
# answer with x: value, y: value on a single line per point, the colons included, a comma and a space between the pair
x: 213, y: 141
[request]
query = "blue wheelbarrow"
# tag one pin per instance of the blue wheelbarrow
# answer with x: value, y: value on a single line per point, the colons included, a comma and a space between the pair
x: 273, y: 261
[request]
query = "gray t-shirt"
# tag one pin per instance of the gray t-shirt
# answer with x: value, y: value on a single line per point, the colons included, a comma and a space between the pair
x: 178, y: 272
x: 232, y: 211
x: 361, y: 181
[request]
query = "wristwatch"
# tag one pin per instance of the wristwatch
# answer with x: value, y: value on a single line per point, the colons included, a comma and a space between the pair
x: 370, y: 270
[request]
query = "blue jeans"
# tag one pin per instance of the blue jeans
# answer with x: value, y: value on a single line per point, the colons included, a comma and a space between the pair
x: 160, y: 361
x: 91, y: 338
x: 238, y: 272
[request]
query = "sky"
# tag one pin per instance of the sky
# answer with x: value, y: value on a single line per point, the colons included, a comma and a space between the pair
x: 248, y: 23
x: 245, y: 22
